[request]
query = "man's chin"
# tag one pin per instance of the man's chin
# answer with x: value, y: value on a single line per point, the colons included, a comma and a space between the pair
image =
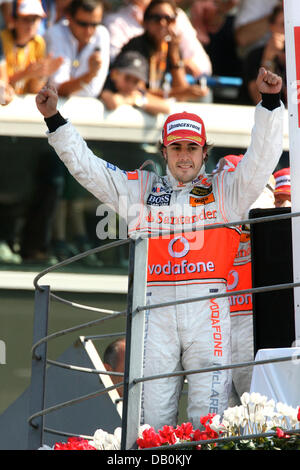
x: 185, y: 178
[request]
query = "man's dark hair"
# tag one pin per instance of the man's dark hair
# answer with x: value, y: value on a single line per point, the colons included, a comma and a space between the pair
x: 153, y: 4
x: 87, y: 5
x: 111, y: 353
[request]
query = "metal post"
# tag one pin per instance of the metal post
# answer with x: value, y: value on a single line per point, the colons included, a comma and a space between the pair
x: 38, y: 367
x: 134, y: 342
x: 292, y: 47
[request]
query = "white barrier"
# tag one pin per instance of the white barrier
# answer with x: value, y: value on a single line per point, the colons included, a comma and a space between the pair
x: 226, y: 125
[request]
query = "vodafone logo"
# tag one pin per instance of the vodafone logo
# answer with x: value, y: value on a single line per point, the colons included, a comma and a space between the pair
x: 234, y: 280
x: 180, y: 268
x: 185, y: 248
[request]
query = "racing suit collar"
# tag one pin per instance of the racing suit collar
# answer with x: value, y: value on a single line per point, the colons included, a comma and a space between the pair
x: 176, y: 185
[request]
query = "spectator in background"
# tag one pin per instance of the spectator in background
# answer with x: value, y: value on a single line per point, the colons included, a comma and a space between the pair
x: 271, y: 56
x: 25, y: 53
x: 124, y: 24
x: 195, y: 58
x: 127, y: 22
x: 213, y: 21
x: 252, y: 23
x: 114, y: 360
x: 208, y: 16
x: 84, y: 45
x: 126, y: 84
x: 283, y: 188
x: 160, y: 46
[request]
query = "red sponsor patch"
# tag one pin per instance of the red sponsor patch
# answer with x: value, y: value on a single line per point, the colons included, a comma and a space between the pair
x: 132, y: 175
x: 196, y: 201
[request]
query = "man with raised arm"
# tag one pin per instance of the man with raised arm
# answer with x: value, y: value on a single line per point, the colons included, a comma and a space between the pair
x: 191, y: 263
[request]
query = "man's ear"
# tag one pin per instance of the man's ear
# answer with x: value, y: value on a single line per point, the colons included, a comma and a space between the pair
x: 164, y: 153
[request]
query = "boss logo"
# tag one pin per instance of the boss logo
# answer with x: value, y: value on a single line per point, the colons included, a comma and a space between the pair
x: 159, y: 199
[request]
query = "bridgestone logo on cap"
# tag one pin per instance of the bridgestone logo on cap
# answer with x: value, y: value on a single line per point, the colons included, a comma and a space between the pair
x: 283, y: 179
x: 184, y: 124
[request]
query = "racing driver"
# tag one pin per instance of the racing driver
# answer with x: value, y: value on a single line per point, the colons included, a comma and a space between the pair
x: 183, y: 262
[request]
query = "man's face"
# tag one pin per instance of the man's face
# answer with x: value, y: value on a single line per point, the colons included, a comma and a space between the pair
x: 84, y: 23
x: 184, y: 160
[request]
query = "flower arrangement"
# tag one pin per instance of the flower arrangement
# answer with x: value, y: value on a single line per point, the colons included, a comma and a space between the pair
x: 257, y: 424
x: 102, y: 440
x: 255, y: 416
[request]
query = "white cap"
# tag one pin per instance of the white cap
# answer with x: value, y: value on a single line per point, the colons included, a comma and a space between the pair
x: 30, y: 7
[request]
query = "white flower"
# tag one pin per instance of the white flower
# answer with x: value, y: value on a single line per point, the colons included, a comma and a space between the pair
x: 216, y: 425
x: 288, y: 413
x: 259, y: 418
x: 102, y: 440
x: 257, y: 398
x: 226, y: 423
x: 234, y: 415
x: 269, y: 408
x: 281, y: 408
x: 245, y: 399
x: 99, y: 439
x: 111, y: 442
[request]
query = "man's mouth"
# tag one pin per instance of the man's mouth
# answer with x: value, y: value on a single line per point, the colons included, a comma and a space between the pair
x: 184, y: 165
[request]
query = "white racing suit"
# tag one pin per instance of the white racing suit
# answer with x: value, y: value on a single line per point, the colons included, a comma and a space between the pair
x: 185, y: 336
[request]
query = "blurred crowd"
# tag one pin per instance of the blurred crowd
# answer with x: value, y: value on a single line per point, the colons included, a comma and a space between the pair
x: 142, y: 53
x: 139, y: 52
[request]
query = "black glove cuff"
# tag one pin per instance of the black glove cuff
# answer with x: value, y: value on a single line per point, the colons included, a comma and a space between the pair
x: 270, y: 100
x: 54, y: 122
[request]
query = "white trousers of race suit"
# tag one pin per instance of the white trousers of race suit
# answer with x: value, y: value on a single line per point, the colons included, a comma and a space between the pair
x: 242, y: 351
x: 186, y: 336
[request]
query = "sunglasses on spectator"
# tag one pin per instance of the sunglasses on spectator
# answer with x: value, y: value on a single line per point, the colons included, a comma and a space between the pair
x: 157, y: 18
x: 86, y: 24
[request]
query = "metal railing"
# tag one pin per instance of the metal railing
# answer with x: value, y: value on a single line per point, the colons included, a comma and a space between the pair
x: 136, y: 306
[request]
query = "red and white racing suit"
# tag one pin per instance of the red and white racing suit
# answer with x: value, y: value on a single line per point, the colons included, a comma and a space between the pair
x: 241, y: 315
x: 241, y: 308
x: 194, y: 335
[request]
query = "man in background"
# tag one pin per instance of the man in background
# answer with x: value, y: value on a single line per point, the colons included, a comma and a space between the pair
x: 83, y: 42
